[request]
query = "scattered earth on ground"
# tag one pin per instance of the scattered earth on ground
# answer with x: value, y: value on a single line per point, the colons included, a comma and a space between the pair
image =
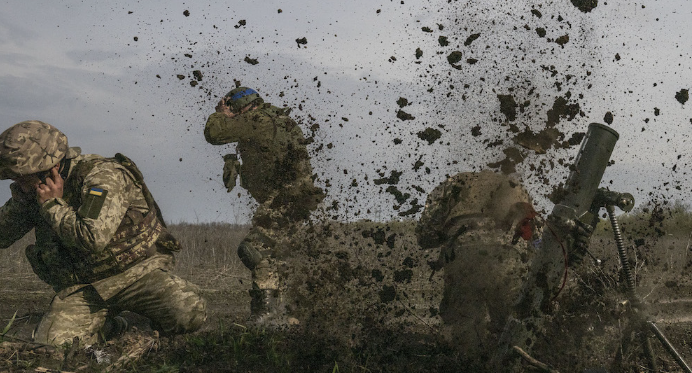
x: 366, y: 294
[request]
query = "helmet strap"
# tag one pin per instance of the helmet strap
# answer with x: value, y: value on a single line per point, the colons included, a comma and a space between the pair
x: 64, y: 167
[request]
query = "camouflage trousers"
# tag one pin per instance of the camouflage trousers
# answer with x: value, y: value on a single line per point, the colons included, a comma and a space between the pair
x: 483, y: 275
x: 275, y: 221
x: 172, y: 304
x: 261, y: 252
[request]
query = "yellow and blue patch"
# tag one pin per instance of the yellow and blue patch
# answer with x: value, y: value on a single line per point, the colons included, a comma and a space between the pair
x: 92, y: 203
x: 96, y: 192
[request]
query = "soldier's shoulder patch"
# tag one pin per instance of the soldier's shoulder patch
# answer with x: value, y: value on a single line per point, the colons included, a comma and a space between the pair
x: 96, y: 192
x: 92, y: 203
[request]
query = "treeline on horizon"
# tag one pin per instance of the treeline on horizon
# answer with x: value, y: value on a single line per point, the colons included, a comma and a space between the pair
x: 655, y: 218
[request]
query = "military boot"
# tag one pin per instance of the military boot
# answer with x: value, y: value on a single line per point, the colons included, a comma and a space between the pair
x: 266, y: 308
x: 263, y: 303
x: 114, y: 327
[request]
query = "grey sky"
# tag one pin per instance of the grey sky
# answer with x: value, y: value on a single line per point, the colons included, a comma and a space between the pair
x: 77, y: 66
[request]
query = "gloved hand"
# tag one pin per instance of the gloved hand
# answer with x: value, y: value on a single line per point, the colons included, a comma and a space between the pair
x: 231, y: 169
x: 581, y: 238
x: 582, y: 235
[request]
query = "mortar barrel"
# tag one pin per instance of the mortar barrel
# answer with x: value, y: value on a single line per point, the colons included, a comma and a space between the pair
x: 591, y: 162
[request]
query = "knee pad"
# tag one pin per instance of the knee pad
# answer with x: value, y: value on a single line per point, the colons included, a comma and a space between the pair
x: 196, y: 316
x: 249, y: 255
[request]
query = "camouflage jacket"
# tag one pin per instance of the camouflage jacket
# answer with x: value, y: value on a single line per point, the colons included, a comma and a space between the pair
x: 101, y: 227
x: 473, y: 206
x: 271, y: 144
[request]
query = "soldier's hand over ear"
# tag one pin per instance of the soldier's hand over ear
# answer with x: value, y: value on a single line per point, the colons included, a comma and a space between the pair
x: 53, y: 188
x: 223, y: 108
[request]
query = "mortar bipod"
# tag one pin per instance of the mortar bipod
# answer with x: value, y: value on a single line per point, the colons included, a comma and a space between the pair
x: 625, y: 201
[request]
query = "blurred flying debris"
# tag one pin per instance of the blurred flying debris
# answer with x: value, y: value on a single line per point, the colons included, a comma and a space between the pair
x: 430, y: 135
x: 471, y: 38
x: 508, y: 107
x: 585, y: 5
x: 562, y: 40
x: 454, y: 58
x: 404, y: 115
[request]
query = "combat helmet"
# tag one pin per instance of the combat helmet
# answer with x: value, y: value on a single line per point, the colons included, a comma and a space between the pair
x: 29, y: 147
x: 241, y: 97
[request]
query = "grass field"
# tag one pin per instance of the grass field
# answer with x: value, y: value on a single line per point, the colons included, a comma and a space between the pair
x: 375, y: 305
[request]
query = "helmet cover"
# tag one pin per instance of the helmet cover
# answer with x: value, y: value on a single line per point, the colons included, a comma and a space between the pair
x: 29, y: 147
x: 241, y: 97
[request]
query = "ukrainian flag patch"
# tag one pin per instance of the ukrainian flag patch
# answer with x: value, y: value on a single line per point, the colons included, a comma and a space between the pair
x: 95, y: 192
x: 92, y: 203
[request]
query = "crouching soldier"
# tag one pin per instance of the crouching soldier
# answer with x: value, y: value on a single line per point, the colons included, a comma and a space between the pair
x: 485, y: 225
x: 101, y: 241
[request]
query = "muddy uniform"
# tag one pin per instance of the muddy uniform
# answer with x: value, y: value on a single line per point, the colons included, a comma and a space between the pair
x: 276, y: 172
x: 483, y: 224
x: 104, y: 249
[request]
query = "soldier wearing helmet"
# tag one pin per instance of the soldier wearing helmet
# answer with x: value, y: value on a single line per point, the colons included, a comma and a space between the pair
x: 101, y: 241
x: 276, y: 171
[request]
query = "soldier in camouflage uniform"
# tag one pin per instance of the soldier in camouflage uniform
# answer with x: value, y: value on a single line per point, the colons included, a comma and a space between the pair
x: 276, y: 171
x: 101, y: 241
x: 485, y: 224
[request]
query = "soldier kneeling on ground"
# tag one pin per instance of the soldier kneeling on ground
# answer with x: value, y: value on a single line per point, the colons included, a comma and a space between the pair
x: 101, y: 241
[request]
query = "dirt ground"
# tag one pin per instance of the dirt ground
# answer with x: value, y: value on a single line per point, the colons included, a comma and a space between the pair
x: 226, y: 294
x: 593, y: 324
x: 398, y: 295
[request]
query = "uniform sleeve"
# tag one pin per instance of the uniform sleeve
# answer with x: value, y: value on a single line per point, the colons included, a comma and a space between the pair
x: 106, y: 195
x: 429, y: 231
x: 221, y: 129
x: 15, y: 219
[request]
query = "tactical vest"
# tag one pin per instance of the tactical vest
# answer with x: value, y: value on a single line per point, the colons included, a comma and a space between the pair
x: 137, y: 238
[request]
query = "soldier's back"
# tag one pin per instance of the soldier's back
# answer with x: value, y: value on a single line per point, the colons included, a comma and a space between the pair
x: 472, y: 217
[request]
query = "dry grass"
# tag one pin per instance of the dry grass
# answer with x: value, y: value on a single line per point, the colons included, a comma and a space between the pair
x: 211, y: 245
x: 13, y: 259
x: 660, y: 257
x: 208, y: 259
x: 204, y: 245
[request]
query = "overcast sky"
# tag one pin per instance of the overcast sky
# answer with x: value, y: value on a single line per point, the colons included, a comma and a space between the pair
x: 107, y: 76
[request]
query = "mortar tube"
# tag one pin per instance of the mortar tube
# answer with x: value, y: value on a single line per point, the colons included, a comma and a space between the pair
x: 547, y: 266
x: 592, y: 160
